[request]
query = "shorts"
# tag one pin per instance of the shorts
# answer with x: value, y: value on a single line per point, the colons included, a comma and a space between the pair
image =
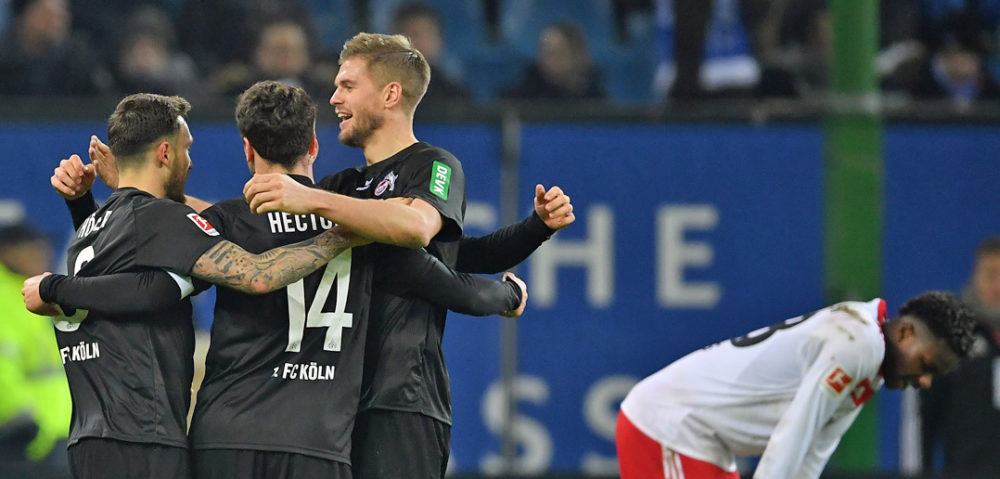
x: 250, y: 464
x: 393, y: 444
x: 641, y: 457
x: 96, y: 458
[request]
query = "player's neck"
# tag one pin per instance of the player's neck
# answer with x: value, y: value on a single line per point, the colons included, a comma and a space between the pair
x: 388, y: 140
x: 143, y: 181
x: 301, y: 168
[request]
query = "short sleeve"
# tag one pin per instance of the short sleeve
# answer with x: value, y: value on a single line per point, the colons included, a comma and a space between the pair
x: 343, y: 182
x: 437, y: 178
x: 172, y: 236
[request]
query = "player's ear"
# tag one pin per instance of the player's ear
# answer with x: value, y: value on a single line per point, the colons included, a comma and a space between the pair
x: 392, y: 94
x: 250, y: 154
x: 162, y: 151
x: 314, y: 145
x: 907, y: 330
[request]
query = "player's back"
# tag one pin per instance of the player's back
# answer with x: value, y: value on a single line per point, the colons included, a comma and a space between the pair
x: 727, y: 398
x: 283, y: 370
x: 130, y: 377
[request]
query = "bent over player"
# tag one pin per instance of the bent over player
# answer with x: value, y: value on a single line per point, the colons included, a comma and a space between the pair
x: 787, y: 392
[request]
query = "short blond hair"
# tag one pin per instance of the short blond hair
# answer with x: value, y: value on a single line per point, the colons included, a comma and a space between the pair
x: 392, y: 58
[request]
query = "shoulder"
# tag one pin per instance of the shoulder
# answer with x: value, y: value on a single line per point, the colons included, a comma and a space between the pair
x: 225, y: 209
x: 854, y: 327
x: 336, y: 181
x: 425, y: 154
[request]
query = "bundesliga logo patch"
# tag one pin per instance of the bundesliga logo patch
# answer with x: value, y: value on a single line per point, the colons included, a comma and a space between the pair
x: 203, y: 224
x: 838, y: 381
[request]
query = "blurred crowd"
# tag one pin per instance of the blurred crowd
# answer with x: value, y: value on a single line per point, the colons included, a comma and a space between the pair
x: 622, y: 51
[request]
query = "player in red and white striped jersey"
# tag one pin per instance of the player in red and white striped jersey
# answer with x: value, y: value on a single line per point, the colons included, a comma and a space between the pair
x: 786, y: 392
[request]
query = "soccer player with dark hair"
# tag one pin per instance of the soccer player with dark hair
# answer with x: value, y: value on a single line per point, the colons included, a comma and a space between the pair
x: 786, y: 392
x: 284, y: 369
x: 404, y: 425
x: 130, y: 376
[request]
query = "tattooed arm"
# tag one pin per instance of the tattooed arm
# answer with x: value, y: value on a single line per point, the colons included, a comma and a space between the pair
x: 226, y: 264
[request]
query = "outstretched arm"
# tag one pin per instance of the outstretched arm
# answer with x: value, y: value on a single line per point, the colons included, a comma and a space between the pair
x: 414, y: 272
x: 134, y: 293
x: 226, y: 264
x: 509, y: 246
x: 409, y: 224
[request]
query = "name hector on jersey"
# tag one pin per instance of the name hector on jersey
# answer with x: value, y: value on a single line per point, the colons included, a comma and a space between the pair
x: 282, y: 222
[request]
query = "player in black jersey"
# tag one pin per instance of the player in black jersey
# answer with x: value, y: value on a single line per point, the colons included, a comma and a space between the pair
x: 403, y: 428
x: 284, y: 369
x: 130, y: 376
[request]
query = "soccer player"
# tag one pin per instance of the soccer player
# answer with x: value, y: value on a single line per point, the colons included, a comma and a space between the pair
x: 130, y: 377
x: 787, y: 392
x: 284, y: 369
x: 403, y: 428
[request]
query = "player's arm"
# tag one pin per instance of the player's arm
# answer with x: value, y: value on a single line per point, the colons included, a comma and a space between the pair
x: 824, y: 444
x: 73, y: 180
x: 133, y: 293
x: 410, y: 224
x: 227, y: 264
x: 415, y: 273
x: 512, y: 244
x: 833, y: 368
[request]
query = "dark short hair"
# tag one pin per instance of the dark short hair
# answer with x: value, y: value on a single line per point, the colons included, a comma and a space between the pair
x: 141, y: 120
x: 409, y: 11
x: 947, y: 318
x: 989, y: 246
x: 20, y: 233
x: 278, y: 120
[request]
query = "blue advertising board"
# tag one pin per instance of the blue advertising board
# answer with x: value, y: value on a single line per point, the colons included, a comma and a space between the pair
x: 685, y: 235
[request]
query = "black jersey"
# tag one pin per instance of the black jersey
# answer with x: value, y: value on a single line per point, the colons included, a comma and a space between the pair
x: 130, y: 378
x: 283, y: 371
x: 404, y: 364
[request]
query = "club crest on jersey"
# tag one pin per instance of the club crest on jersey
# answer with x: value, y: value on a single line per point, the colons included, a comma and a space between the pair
x: 387, y: 183
x: 203, y: 224
x: 838, y: 381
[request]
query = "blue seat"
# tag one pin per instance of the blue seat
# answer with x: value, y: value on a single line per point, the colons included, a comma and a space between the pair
x: 521, y: 21
x: 334, y: 22
x: 463, y: 22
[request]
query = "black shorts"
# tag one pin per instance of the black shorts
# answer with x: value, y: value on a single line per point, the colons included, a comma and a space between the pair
x: 249, y: 464
x: 107, y: 458
x: 392, y: 444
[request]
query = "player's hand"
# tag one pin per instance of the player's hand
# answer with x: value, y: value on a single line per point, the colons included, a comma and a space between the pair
x: 104, y: 162
x: 33, y: 300
x: 72, y: 179
x: 553, y: 207
x: 277, y: 192
x: 508, y: 276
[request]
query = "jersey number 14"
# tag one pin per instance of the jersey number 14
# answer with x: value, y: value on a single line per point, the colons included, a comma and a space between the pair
x: 339, y: 270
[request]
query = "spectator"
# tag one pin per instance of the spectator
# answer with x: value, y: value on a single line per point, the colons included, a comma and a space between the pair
x: 960, y: 412
x: 282, y: 53
x: 39, y: 55
x: 707, y: 47
x: 147, y: 59
x: 421, y: 23
x: 220, y: 32
x: 35, y: 403
x: 562, y: 69
x: 948, y: 44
